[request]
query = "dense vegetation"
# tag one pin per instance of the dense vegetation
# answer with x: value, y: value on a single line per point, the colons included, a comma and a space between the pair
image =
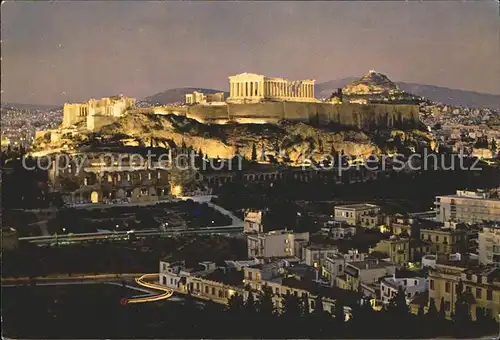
x: 95, y: 312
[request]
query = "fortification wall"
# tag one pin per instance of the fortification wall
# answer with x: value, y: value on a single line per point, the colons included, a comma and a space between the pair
x: 175, y: 110
x: 96, y: 122
x: 71, y: 115
x: 208, y: 113
x: 362, y: 116
x: 259, y: 113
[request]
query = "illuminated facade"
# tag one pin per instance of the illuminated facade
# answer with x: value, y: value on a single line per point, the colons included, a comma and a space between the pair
x: 396, y: 248
x: 353, y: 213
x: 481, y: 287
x: 445, y: 240
x: 250, y: 87
x: 489, y: 245
x: 279, y: 243
x: 204, y: 98
x: 468, y: 206
x: 90, y: 112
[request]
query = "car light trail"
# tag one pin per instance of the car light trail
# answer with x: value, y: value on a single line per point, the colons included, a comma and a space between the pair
x: 167, y: 292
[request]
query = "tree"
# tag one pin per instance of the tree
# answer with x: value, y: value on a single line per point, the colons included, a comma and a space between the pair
x: 398, y: 305
x: 266, y: 305
x: 250, y: 303
x: 254, y: 152
x: 291, y: 306
x: 432, y: 317
x: 421, y: 311
x: 442, y: 311
x: 318, y: 305
x: 462, y: 308
x: 235, y: 303
x: 306, y: 308
x: 339, y: 311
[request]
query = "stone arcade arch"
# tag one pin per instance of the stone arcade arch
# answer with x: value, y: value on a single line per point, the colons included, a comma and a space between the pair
x: 94, y: 197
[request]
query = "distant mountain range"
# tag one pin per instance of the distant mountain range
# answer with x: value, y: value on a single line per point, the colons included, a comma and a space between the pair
x: 324, y: 90
x: 438, y: 94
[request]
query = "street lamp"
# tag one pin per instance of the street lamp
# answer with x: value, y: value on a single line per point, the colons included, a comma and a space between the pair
x: 64, y: 230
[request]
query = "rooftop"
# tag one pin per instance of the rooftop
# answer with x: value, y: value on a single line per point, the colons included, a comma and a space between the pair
x: 317, y: 246
x: 359, y: 206
x: 348, y: 297
x: 227, y: 277
x: 370, y: 264
x: 478, y: 194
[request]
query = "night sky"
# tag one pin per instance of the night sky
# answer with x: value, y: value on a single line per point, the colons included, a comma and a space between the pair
x: 71, y: 51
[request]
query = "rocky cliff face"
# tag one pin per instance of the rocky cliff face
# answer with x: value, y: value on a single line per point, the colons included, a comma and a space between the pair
x: 287, y: 140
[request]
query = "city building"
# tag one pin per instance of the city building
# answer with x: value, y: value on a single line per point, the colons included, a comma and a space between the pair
x: 252, y: 222
x: 411, y: 286
x: 352, y: 213
x: 279, y: 243
x: 298, y: 280
x: 206, y: 281
x: 489, y: 245
x: 334, y: 264
x: 397, y: 249
x: 204, y: 98
x: 218, y: 284
x: 367, y: 272
x: 338, y: 230
x: 481, y: 286
x: 445, y: 240
x: 468, y: 206
x: 314, y: 255
x: 250, y: 87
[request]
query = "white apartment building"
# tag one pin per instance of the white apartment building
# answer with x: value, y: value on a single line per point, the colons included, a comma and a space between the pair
x: 389, y: 287
x: 353, y: 213
x: 489, y: 245
x: 339, y: 231
x: 314, y: 255
x: 468, y: 206
x: 334, y: 265
x: 366, y: 272
x: 253, y: 221
x: 279, y: 243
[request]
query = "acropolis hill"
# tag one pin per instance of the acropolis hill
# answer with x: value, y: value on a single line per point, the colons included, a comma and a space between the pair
x: 288, y: 115
x: 256, y: 99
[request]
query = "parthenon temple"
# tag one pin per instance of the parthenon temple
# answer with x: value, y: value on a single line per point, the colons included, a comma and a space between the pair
x: 250, y: 87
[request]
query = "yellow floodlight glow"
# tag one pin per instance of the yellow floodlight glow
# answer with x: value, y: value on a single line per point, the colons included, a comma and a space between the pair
x: 167, y: 292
